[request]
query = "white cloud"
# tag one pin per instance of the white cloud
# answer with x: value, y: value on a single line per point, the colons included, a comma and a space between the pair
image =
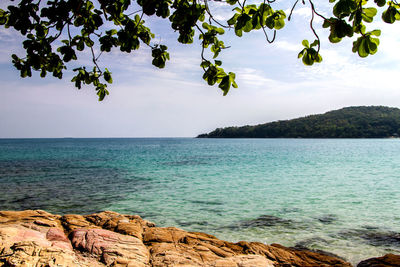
x: 220, y: 11
x: 285, y: 45
x: 10, y: 44
x: 305, y: 13
x: 253, y: 78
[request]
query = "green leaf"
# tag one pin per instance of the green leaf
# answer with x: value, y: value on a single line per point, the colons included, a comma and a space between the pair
x: 315, y: 43
x: 307, y: 59
x: 242, y: 20
x: 344, y: 8
x: 248, y: 26
x: 368, y: 14
x: 225, y: 84
x: 334, y: 39
x: 363, y: 49
x: 107, y: 76
x: 305, y: 43
x: 3, y: 17
x: 234, y: 84
x: 206, y: 26
x: 233, y: 20
x: 279, y: 24
x: 373, y: 44
x: 238, y: 33
x: 205, y: 64
x: 389, y: 15
x: 310, y: 56
x: 80, y: 45
x: 326, y: 23
x: 301, y: 53
x: 219, y: 30
x: 376, y: 32
x: 318, y: 58
x: 380, y: 3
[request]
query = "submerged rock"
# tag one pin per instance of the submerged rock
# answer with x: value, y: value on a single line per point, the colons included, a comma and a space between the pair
x: 263, y: 221
x: 266, y: 220
x: 387, y: 260
x: 38, y: 238
x: 328, y: 219
x: 373, y: 236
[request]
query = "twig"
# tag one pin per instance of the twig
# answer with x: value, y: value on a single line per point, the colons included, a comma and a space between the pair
x: 263, y: 27
x: 212, y: 17
x: 202, y: 46
x: 312, y: 26
x: 291, y: 11
x: 134, y: 12
x: 94, y: 59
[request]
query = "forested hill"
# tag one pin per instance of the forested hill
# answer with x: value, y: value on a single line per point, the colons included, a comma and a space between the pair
x: 350, y: 122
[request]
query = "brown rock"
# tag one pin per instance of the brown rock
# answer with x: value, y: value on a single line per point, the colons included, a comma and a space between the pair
x: 29, y: 253
x: 385, y: 261
x: 175, y: 247
x: 124, y: 224
x: 302, y: 257
x: 22, y: 246
x: 243, y: 261
x: 71, y: 222
x: 169, y: 254
x: 164, y: 235
x: 37, y: 219
x: 26, y: 215
x: 111, y: 247
x: 133, y: 228
x: 38, y: 238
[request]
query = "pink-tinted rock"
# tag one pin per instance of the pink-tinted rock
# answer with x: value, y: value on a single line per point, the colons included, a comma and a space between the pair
x: 58, y: 238
x: 21, y: 246
x: 17, y: 233
x: 110, y: 246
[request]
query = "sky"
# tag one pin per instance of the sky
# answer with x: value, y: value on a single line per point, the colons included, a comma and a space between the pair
x: 145, y: 101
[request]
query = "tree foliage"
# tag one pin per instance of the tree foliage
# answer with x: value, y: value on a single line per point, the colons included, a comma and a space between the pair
x: 56, y: 32
x: 351, y: 122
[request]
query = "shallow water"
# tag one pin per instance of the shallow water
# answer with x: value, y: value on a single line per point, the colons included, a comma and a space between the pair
x: 337, y: 195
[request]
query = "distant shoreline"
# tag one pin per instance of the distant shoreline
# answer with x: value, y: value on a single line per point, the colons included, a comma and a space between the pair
x: 309, y: 138
x: 196, y: 137
x: 350, y: 122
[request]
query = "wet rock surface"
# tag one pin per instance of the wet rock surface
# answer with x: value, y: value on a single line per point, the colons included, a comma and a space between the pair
x: 387, y: 260
x: 373, y: 236
x: 38, y: 238
x: 328, y: 219
x: 264, y: 221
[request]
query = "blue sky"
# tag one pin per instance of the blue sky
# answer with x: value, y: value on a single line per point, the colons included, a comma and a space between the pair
x: 175, y: 102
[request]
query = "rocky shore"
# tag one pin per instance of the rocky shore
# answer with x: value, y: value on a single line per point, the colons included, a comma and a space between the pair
x: 38, y: 238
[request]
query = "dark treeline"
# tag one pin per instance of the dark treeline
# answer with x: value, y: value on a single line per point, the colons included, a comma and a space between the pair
x: 350, y: 122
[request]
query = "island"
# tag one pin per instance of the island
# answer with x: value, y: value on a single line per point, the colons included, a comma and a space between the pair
x: 349, y: 122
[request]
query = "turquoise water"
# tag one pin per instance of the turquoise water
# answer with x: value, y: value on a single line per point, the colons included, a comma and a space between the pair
x: 337, y: 195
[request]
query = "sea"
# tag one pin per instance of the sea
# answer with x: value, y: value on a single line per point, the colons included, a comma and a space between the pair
x: 336, y: 195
